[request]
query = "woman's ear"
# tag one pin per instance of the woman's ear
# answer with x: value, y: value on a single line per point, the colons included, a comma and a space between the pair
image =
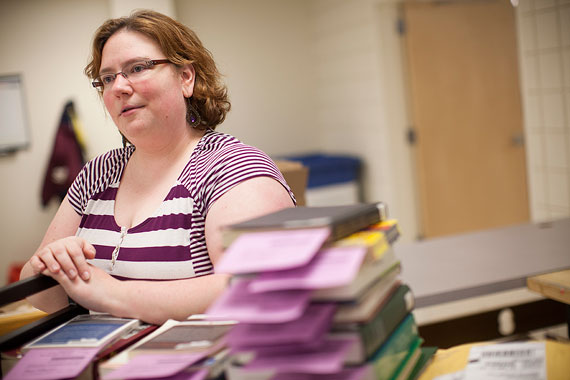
x: 187, y: 76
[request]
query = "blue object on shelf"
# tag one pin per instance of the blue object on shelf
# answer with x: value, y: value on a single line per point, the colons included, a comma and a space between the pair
x: 327, y: 169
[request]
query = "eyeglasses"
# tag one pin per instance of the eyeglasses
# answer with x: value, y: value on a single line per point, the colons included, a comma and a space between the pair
x: 132, y: 72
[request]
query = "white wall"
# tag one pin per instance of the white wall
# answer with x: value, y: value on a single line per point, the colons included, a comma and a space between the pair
x: 361, y: 101
x: 265, y: 51
x: 544, y: 55
x: 322, y: 75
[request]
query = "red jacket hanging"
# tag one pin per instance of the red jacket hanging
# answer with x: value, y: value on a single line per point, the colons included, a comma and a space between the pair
x: 67, y: 158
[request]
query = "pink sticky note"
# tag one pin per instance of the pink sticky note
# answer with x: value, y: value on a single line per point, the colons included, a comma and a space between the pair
x: 154, y: 366
x: 331, y: 267
x: 325, y: 358
x: 354, y: 373
x: 184, y: 375
x: 52, y: 363
x: 273, y: 250
x: 239, y: 304
x: 310, y: 327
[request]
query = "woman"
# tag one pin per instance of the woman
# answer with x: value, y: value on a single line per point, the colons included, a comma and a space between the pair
x: 154, y: 210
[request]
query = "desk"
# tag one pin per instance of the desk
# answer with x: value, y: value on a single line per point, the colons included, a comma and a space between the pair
x: 556, y: 286
x: 485, y: 269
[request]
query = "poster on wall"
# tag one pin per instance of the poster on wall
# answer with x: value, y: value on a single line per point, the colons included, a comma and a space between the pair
x: 13, y: 121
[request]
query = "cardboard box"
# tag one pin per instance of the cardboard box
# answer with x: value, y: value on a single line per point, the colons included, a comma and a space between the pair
x: 296, y: 175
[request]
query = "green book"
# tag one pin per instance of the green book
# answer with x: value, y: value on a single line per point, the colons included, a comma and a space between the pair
x: 425, y: 359
x: 410, y: 361
x: 376, y: 331
x: 392, y: 354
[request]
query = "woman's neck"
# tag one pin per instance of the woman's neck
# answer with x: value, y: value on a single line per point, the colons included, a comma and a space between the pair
x: 162, y: 157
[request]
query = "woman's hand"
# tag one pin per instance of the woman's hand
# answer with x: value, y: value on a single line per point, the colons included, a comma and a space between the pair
x: 64, y: 256
x: 96, y: 294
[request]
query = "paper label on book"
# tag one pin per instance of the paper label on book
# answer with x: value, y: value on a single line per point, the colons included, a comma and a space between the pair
x: 507, y: 361
x: 308, y: 328
x: 324, y: 358
x: 351, y: 373
x: 331, y: 267
x: 52, y: 363
x: 503, y: 361
x: 153, y: 366
x: 239, y: 304
x: 273, y: 250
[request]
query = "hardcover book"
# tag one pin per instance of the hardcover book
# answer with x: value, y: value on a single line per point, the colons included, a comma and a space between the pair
x: 341, y: 220
x: 86, y: 330
x: 373, y: 333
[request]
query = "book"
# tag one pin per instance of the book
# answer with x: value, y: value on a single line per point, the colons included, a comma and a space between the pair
x: 324, y: 356
x: 115, y: 347
x: 364, y: 308
x: 390, y: 357
x: 86, y: 330
x: 410, y: 360
x: 341, y: 220
x: 424, y: 360
x: 184, y: 337
x: 373, y: 333
x: 307, y: 329
x: 240, y: 304
x: 459, y: 359
x: 289, y: 249
x: 330, y: 268
x: 374, y: 241
x: 366, y: 277
x: 198, y: 337
x: 389, y: 227
x: 124, y: 341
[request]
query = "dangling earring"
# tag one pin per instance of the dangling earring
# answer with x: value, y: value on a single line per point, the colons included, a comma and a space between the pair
x: 192, y: 116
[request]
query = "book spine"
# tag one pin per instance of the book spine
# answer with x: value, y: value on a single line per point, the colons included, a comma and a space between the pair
x: 390, y: 355
x: 407, y: 365
x: 376, y: 331
x: 349, y: 226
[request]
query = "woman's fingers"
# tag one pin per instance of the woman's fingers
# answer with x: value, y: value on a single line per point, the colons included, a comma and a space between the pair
x: 63, y: 255
x: 68, y: 255
x: 38, y: 265
x: 79, y: 251
x: 46, y: 256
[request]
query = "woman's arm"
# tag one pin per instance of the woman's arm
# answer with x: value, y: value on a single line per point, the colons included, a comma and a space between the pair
x: 60, y: 252
x: 249, y: 199
x: 157, y: 301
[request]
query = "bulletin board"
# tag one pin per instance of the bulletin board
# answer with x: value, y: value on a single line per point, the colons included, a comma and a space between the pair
x: 14, y: 132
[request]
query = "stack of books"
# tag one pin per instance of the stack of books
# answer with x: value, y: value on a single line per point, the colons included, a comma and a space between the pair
x: 317, y: 294
x: 190, y: 349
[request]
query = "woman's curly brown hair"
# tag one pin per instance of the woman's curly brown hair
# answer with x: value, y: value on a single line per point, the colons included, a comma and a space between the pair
x: 181, y: 46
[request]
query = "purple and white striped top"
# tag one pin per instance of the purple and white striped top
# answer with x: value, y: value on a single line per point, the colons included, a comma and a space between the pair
x: 170, y: 244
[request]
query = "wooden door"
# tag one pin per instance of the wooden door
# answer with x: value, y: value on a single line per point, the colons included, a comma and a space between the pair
x: 466, y: 109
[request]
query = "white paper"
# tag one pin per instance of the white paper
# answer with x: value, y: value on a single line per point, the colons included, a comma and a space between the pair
x: 507, y: 361
x: 459, y: 375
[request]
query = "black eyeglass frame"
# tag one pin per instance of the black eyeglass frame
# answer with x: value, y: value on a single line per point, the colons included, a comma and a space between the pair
x: 151, y: 63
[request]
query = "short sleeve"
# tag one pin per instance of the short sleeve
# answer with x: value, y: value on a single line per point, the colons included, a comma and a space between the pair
x: 234, y: 164
x: 96, y: 176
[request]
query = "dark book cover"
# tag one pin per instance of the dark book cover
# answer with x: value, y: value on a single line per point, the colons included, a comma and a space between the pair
x: 341, y: 220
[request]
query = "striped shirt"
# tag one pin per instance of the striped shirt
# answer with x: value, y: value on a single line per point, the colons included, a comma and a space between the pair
x: 171, y: 243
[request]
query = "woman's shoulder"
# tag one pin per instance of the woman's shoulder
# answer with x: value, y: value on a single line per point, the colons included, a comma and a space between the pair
x: 218, y: 144
x: 215, y: 140
x: 97, y: 174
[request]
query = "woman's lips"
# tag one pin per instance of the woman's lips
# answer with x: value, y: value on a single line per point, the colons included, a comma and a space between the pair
x: 130, y: 110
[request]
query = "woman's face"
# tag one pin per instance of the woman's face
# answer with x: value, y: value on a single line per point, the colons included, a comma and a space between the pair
x: 152, y: 108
